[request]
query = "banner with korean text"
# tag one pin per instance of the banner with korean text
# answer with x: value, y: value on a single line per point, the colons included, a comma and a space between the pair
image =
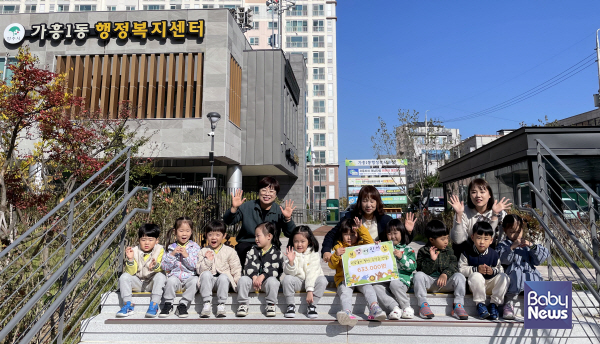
x: 368, y: 264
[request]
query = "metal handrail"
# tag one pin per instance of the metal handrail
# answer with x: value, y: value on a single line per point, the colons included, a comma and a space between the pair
x: 63, y: 203
x: 65, y: 266
x: 572, y: 236
x: 563, y: 165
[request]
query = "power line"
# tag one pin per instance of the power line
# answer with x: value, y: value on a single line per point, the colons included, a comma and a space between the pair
x: 557, y: 79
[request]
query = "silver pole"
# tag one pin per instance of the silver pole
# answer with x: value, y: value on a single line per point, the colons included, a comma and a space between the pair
x: 598, y: 57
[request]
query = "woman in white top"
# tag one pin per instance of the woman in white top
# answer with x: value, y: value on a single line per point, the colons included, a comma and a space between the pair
x: 481, y: 206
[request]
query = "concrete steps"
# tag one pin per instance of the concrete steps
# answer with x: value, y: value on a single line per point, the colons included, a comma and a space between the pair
x: 256, y: 328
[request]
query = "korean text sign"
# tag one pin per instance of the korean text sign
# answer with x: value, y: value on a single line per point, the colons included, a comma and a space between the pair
x: 368, y: 264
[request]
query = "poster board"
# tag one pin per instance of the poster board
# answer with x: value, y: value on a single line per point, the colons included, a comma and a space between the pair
x: 369, y: 264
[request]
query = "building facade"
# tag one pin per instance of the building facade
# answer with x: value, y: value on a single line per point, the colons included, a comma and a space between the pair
x: 175, y: 67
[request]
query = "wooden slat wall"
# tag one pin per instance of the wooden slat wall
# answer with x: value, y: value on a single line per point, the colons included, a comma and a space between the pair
x: 156, y: 86
x: 235, y: 92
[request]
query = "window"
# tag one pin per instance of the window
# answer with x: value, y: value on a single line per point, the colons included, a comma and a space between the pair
x: 255, y: 25
x: 52, y: 8
x: 319, y: 123
x: 318, y: 106
x: 6, y: 73
x: 330, y: 11
x: 319, y: 157
x: 62, y: 8
x: 129, y: 8
x: 330, y: 57
x: 330, y: 122
x: 332, y: 191
x: 272, y: 26
x: 329, y: 73
x: 329, y: 25
x: 318, y: 10
x: 231, y: 7
x: 319, y: 90
x: 319, y: 57
x: 30, y: 8
x: 332, y: 176
x: 296, y: 26
x: 85, y: 8
x: 7, y: 9
x: 319, y: 140
x: 318, y: 41
x: 154, y: 7
x: 111, y: 8
x: 253, y: 40
x: 297, y: 42
x: 186, y: 6
x: 318, y: 73
x: 330, y: 106
x: 319, y: 175
x: 175, y: 7
x: 330, y: 90
x: 320, y: 192
x: 318, y: 25
x: 256, y: 9
x: 196, y: 6
x: 205, y: 6
x: 42, y: 8
x: 330, y: 41
x: 298, y: 10
x: 330, y: 140
x: 331, y: 157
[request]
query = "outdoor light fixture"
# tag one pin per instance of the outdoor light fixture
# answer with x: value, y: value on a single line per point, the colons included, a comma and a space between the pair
x: 213, y: 117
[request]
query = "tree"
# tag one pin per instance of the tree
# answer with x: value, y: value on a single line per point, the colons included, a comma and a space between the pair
x: 47, y: 138
x: 425, y: 146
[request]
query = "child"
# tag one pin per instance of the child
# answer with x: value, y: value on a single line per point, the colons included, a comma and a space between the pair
x: 218, y: 267
x: 481, y: 266
x: 142, y: 271
x: 406, y: 262
x: 352, y: 234
x: 521, y: 256
x: 438, y: 271
x: 303, y: 269
x: 180, y: 264
x: 264, y: 265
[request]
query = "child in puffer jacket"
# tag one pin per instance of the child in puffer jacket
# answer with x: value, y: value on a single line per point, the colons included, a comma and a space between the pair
x: 303, y: 270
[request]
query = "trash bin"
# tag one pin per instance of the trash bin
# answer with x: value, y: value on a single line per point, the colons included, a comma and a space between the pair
x: 333, y: 211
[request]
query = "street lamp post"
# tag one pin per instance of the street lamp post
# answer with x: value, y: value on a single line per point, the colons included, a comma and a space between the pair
x: 209, y: 185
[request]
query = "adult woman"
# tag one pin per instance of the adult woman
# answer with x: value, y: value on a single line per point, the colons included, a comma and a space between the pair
x: 253, y: 213
x: 481, y: 206
x: 368, y: 208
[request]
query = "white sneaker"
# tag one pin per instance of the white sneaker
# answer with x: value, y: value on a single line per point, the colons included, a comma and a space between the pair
x: 271, y: 310
x: 408, y: 313
x: 221, y: 313
x: 242, y: 310
x: 395, y: 314
x: 206, y: 310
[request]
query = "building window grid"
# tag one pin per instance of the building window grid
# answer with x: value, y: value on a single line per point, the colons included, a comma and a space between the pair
x: 320, y: 174
x: 320, y: 157
x: 298, y: 11
x: 318, y: 41
x: 318, y: 106
x: 318, y: 26
x: 319, y: 123
x: 296, y: 26
x: 319, y: 140
x: 297, y: 42
x: 319, y: 57
x: 254, y: 41
x: 318, y: 73
x: 8, y: 9
x: 319, y: 90
x: 85, y: 8
x: 318, y: 10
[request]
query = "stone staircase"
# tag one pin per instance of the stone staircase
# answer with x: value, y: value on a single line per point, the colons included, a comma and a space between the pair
x: 256, y: 328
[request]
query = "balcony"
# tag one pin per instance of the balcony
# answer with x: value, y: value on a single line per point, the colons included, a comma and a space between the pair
x: 318, y: 44
x: 319, y: 109
x: 318, y: 94
x: 297, y: 13
x: 318, y: 76
x: 318, y: 13
x: 320, y: 143
x: 298, y: 45
x: 318, y: 60
x: 296, y: 29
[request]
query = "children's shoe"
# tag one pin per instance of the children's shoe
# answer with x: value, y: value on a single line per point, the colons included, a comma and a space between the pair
x: 425, y: 312
x: 376, y: 313
x: 483, y: 311
x: 221, y: 313
x: 166, y: 310
x: 290, y: 312
x: 206, y: 310
x: 507, y: 311
x: 271, y: 310
x: 242, y: 311
x: 181, y: 311
x: 152, y: 311
x: 346, y: 318
x: 312, y: 312
x: 126, y: 310
x: 460, y: 312
x: 395, y: 314
x: 408, y: 313
x: 493, y: 308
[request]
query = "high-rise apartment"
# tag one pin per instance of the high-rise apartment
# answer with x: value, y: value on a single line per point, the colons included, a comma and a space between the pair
x: 309, y: 28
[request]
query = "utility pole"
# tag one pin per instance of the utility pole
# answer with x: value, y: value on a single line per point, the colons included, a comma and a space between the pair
x: 280, y: 7
x: 597, y: 96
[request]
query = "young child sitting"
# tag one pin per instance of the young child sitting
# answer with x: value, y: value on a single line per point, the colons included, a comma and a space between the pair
x: 481, y: 266
x: 302, y: 269
x: 218, y: 267
x: 142, y: 271
x: 438, y: 271
x: 352, y: 233
x: 180, y: 264
x: 406, y: 262
x: 264, y: 266
x: 522, y: 257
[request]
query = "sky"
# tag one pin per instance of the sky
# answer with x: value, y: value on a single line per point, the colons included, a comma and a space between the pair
x: 457, y: 58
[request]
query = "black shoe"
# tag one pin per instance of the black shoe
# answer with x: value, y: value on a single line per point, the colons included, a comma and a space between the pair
x: 312, y: 312
x: 181, y: 311
x: 166, y: 310
x: 290, y: 312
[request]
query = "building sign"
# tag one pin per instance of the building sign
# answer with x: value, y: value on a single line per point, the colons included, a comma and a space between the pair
x: 377, y: 181
x: 368, y: 264
x: 383, y: 190
x: 105, y: 30
x: 356, y: 172
x: 385, y: 199
x: 377, y: 162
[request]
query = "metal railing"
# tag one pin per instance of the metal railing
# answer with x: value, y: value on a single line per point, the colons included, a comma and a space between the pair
x: 310, y: 216
x: 53, y: 274
x: 571, y: 239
